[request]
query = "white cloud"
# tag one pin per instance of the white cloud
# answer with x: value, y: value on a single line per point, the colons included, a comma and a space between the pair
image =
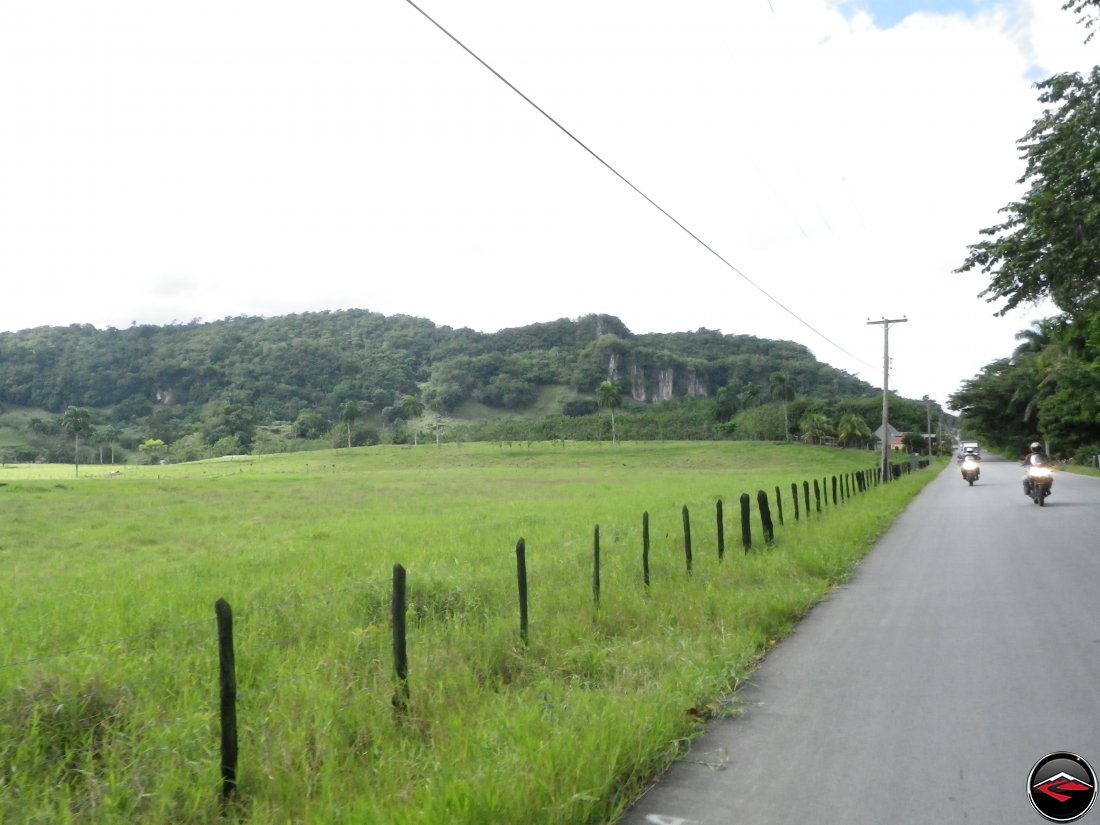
x: 160, y: 164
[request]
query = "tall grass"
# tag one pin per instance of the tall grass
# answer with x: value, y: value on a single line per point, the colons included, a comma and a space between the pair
x: 108, y: 668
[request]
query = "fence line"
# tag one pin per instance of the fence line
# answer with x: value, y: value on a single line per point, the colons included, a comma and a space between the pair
x: 228, y: 693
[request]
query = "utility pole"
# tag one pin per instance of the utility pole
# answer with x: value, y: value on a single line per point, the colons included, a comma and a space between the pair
x: 885, y: 322
x: 928, y: 432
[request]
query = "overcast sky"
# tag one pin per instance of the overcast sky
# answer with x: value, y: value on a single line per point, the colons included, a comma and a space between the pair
x: 165, y: 162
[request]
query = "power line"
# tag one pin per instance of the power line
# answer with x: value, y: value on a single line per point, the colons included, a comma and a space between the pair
x: 617, y: 174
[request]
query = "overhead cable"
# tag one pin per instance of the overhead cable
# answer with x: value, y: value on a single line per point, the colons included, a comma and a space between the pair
x: 617, y: 174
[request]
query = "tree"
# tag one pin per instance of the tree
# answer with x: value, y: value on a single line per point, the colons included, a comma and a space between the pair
x: 608, y: 398
x: 152, y: 447
x: 852, y: 427
x: 749, y: 395
x: 782, y: 389
x: 349, y: 411
x: 814, y: 427
x: 77, y: 421
x: 412, y: 407
x: 1048, y: 247
x: 1087, y: 18
x: 108, y: 436
x: 310, y: 424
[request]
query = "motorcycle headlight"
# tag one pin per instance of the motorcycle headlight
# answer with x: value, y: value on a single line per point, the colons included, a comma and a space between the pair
x: 1040, y: 472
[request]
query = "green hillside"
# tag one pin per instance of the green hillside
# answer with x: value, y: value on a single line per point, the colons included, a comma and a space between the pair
x: 356, y: 377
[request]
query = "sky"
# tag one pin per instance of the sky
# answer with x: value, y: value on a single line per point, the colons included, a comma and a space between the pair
x: 161, y: 163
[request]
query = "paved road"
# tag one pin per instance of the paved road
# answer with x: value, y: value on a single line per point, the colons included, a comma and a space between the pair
x: 965, y: 648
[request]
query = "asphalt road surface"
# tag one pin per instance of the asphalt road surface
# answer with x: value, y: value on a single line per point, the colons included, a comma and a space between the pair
x: 965, y: 648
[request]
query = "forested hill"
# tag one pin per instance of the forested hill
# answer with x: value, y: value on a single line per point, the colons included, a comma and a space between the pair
x: 280, y: 369
x: 318, y: 360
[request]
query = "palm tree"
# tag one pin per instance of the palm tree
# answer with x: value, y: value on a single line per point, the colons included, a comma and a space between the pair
x: 782, y: 389
x: 851, y: 427
x: 349, y: 411
x: 1040, y: 360
x: 77, y: 421
x: 815, y: 426
x: 412, y: 407
x: 607, y: 397
x: 111, y: 435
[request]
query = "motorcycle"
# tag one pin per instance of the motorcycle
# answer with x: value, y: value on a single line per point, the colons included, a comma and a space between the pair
x: 1037, y: 482
x: 971, y: 469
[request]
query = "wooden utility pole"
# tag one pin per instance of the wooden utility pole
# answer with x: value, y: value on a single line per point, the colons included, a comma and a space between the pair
x: 885, y: 322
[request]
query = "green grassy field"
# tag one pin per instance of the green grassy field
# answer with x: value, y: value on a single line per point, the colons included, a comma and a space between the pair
x: 108, y: 659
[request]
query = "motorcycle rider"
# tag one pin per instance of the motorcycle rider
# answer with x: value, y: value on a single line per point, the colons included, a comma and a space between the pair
x: 1036, y: 457
x: 969, y: 463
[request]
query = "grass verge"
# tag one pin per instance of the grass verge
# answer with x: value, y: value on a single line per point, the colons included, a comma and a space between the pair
x: 108, y: 668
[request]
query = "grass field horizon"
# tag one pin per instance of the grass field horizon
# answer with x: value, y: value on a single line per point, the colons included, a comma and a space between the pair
x: 108, y: 663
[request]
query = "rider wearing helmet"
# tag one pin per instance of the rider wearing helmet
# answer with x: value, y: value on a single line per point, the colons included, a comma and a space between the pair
x: 1036, y: 456
x: 1036, y: 449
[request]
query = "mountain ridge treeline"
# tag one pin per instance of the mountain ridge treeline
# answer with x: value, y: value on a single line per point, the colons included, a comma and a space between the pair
x: 215, y: 383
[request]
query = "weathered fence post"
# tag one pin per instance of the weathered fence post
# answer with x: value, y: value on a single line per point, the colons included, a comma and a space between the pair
x: 721, y: 529
x: 521, y: 579
x: 779, y: 505
x: 687, y: 539
x: 645, y: 549
x: 817, y: 496
x: 398, y: 614
x: 806, y: 496
x: 227, y: 672
x: 596, y: 566
x: 746, y: 528
x: 765, y: 516
x: 834, y: 491
x: 794, y: 496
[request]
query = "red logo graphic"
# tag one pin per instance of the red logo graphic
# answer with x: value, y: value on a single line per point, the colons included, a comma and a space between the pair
x: 1062, y: 787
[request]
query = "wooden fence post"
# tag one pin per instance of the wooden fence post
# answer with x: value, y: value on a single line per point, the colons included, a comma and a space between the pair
x: 227, y: 671
x: 596, y: 566
x: 721, y: 529
x: 765, y: 516
x: 398, y: 614
x: 746, y: 528
x: 779, y: 505
x: 817, y: 496
x: 521, y: 578
x: 806, y: 496
x: 645, y: 549
x: 794, y: 495
x: 687, y: 539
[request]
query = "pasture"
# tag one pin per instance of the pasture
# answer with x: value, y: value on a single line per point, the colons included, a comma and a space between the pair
x: 108, y: 656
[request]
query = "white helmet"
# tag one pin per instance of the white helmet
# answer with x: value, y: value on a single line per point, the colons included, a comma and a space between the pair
x: 1036, y: 446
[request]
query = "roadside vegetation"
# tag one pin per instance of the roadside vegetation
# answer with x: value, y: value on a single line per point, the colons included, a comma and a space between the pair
x: 108, y: 663
x: 1048, y: 389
